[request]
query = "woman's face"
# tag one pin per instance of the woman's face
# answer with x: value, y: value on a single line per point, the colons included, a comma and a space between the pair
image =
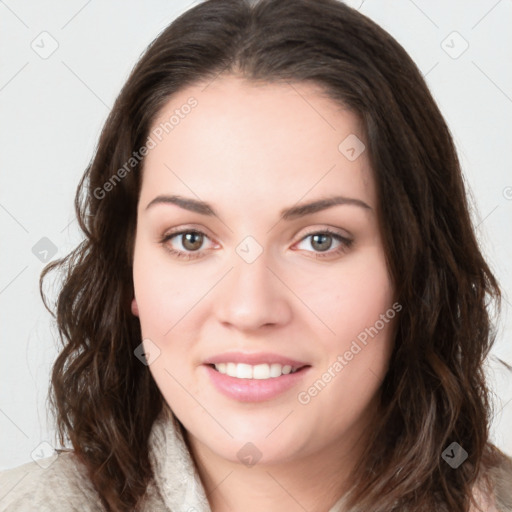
x: 262, y: 284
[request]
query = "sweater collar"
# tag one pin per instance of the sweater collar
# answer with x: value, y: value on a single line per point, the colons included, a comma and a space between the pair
x: 175, y: 473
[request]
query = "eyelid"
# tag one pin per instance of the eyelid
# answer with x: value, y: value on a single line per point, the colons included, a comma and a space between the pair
x: 326, y: 229
x: 310, y: 231
x: 189, y: 228
x: 175, y: 232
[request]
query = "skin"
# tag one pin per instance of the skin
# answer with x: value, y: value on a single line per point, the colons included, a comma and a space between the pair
x: 251, y: 150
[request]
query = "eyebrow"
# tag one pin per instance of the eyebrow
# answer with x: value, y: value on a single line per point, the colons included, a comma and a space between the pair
x: 291, y: 213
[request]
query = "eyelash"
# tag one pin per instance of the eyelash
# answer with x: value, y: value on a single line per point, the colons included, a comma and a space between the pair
x: 346, y: 243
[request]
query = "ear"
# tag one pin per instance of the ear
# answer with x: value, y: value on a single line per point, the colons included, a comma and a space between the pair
x: 135, y: 308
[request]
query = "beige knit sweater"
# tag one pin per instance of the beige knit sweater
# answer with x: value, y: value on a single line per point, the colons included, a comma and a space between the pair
x: 61, y: 485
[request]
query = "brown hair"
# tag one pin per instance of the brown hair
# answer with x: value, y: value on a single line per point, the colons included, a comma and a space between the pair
x: 434, y: 393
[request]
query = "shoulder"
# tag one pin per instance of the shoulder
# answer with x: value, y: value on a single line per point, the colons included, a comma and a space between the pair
x: 501, y: 478
x: 53, y: 484
x: 494, y: 492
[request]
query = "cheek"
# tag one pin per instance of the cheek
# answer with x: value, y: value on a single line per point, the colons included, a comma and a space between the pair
x: 158, y: 292
x: 354, y: 297
x: 163, y: 302
x: 362, y: 315
x: 357, y: 305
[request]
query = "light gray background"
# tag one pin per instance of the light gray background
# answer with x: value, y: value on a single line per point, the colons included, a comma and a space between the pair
x: 52, y: 111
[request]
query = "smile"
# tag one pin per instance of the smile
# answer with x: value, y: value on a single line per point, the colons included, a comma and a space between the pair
x: 259, y: 371
x: 256, y: 383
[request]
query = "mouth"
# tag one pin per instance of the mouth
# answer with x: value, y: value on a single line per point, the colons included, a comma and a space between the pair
x: 261, y: 382
x: 254, y: 365
x: 262, y: 371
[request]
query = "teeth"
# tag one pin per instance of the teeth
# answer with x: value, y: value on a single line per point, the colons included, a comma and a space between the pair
x: 259, y: 371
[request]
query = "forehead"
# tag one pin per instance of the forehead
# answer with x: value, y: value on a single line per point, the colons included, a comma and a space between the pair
x: 256, y: 142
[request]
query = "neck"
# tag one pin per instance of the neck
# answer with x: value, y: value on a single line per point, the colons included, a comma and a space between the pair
x: 314, y: 482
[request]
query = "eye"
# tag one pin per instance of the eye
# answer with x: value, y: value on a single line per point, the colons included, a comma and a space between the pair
x: 190, y: 240
x: 323, y: 240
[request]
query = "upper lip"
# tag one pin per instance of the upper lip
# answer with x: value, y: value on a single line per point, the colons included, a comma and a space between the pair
x: 254, y: 359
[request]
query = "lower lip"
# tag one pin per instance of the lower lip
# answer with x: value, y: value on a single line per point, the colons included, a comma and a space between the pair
x: 254, y: 390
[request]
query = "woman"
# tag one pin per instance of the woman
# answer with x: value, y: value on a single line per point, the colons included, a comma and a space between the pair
x: 280, y: 300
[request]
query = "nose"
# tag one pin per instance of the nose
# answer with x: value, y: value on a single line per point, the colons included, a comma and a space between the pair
x: 252, y: 296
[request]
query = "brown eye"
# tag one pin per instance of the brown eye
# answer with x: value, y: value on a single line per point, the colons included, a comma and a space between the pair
x: 186, y: 244
x: 192, y: 240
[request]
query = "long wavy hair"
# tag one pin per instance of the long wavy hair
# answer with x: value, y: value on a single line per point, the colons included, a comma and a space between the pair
x: 105, y: 401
